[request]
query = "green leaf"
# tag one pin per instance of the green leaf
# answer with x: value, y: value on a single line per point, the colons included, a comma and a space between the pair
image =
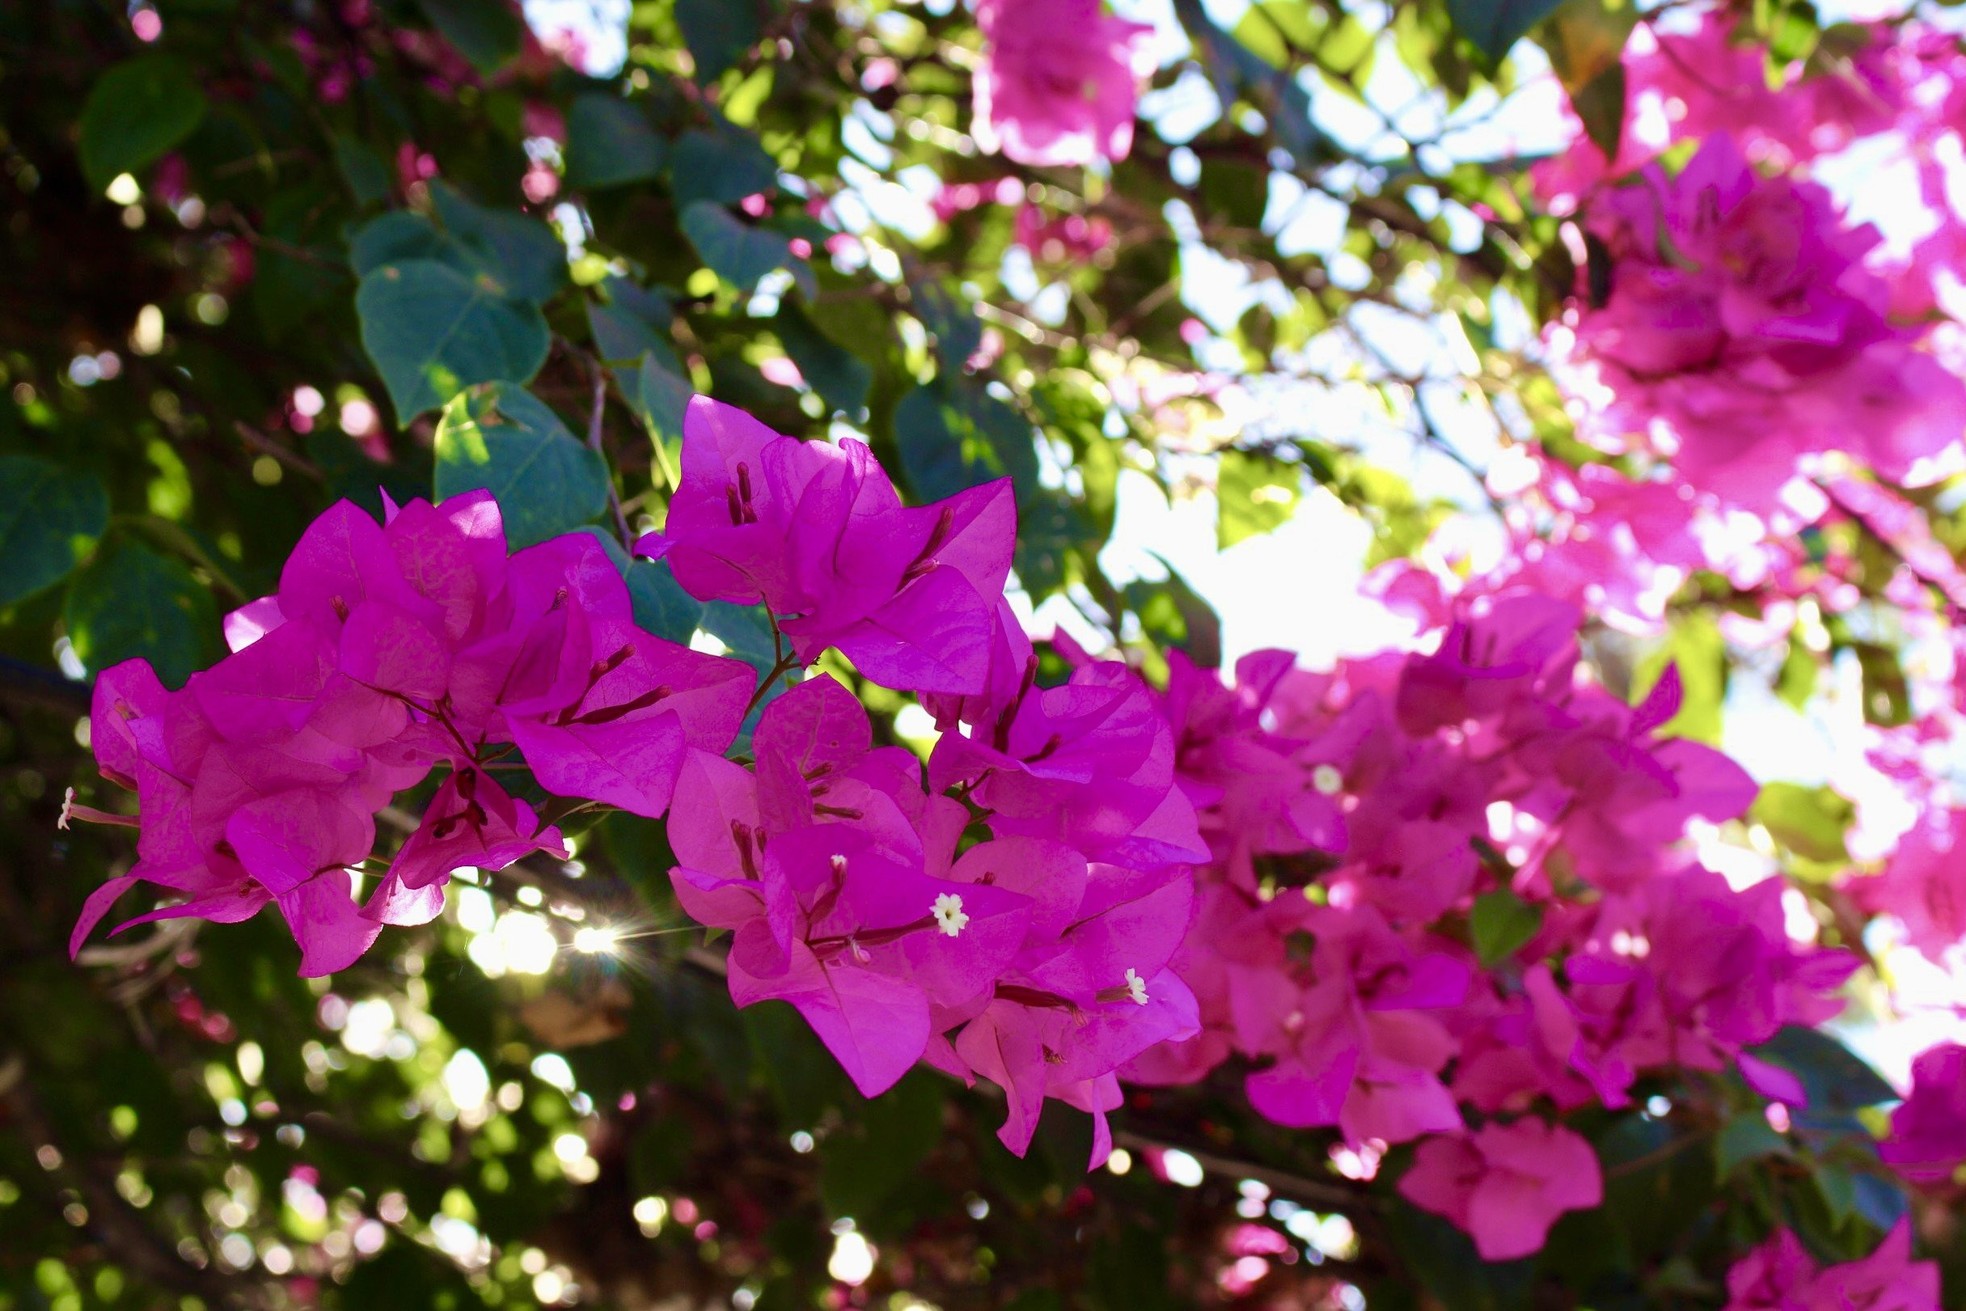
x: 509, y: 443
x: 1747, y: 1137
x: 884, y: 1143
x: 1254, y: 493
x: 1501, y: 924
x: 516, y: 255
x: 130, y: 601
x: 662, y: 399
x: 486, y: 32
x: 725, y: 163
x: 1495, y: 25
x: 1600, y: 103
x: 433, y: 331
x: 135, y: 112
x: 718, y: 33
x: 1174, y: 614
x: 1694, y: 643
x: 745, y: 631
x: 1835, y: 1078
x: 661, y: 604
x: 631, y: 322
x: 1808, y: 821
x: 610, y: 142
x: 739, y: 253
x: 839, y: 376
x: 1242, y: 73
x: 525, y: 252
x: 1796, y: 682
x: 50, y: 519
x: 1585, y: 40
x: 951, y: 320
x: 954, y: 435
x: 365, y: 171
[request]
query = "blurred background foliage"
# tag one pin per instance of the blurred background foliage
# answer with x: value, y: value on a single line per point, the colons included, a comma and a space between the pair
x: 263, y: 255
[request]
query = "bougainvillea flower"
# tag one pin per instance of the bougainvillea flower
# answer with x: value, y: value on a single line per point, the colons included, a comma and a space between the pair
x: 1927, y: 1143
x: 818, y: 533
x: 1057, y: 81
x: 1506, y: 1183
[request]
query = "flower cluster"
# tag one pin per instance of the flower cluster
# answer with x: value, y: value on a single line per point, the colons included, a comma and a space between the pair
x: 859, y: 892
x: 1445, y: 884
x: 1428, y: 895
x: 1927, y: 1144
x: 1735, y: 327
x: 1782, y: 1276
x: 391, y: 650
x: 1057, y: 81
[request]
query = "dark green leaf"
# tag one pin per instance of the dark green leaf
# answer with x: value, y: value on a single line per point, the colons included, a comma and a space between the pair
x: 954, y: 435
x: 524, y: 252
x: 365, y: 171
x: 725, y: 164
x: 1501, y: 924
x: 662, y: 398
x: 952, y: 321
x: 433, y: 331
x: 1746, y: 1137
x: 516, y: 255
x: 1173, y: 614
x: 135, y: 112
x: 504, y: 440
x: 1810, y: 822
x: 739, y: 253
x: 1834, y: 1077
x: 610, y: 141
x: 718, y: 33
x: 1495, y: 25
x: 50, y: 518
x: 486, y: 32
x: 632, y: 322
x: 1601, y: 105
x: 131, y: 601
x: 885, y: 1143
x: 1696, y: 646
x: 661, y: 604
x: 839, y: 376
x: 1255, y: 494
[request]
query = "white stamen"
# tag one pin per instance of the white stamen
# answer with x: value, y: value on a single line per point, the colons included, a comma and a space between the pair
x: 1136, y: 988
x: 949, y: 914
x: 1327, y: 780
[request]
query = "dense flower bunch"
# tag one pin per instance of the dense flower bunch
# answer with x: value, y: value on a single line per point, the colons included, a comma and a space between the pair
x: 1928, y: 1130
x: 1782, y: 1276
x: 1370, y: 826
x: 391, y: 650
x: 1740, y: 330
x: 1684, y: 85
x: 1434, y: 896
x: 1057, y: 80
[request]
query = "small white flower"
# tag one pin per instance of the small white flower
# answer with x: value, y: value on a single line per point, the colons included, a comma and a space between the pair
x: 1136, y: 988
x: 67, y: 809
x: 1327, y: 780
x: 949, y: 914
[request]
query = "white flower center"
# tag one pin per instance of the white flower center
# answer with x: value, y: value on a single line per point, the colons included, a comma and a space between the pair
x: 1136, y: 988
x: 949, y: 914
x: 1327, y: 780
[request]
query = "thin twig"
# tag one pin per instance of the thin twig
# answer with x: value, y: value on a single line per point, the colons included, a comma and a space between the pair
x: 1283, y: 1181
x: 594, y: 444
